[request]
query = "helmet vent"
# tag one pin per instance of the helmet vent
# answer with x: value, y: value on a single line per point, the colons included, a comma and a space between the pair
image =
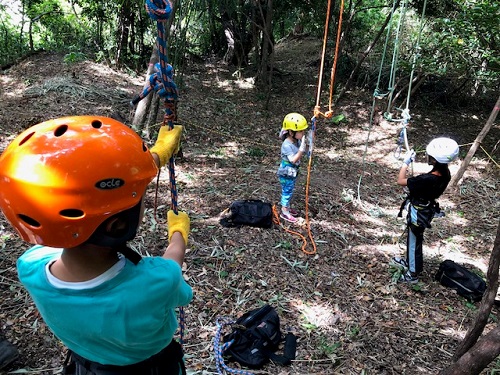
x: 144, y: 147
x: 60, y: 130
x: 30, y: 221
x: 96, y: 124
x: 25, y: 139
x: 72, y: 213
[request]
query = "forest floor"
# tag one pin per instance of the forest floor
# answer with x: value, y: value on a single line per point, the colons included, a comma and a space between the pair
x: 349, y: 315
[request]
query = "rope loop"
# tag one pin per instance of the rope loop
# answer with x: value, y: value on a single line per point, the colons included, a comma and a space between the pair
x: 318, y: 113
x: 159, y: 10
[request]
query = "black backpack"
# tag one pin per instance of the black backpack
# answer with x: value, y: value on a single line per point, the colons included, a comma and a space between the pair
x: 467, y: 284
x: 251, y: 212
x: 255, y: 338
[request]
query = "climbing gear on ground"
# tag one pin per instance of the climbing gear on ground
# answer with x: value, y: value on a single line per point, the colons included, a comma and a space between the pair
x: 254, y: 340
x: 167, y: 143
x: 178, y: 222
x: 467, y: 283
x: 52, y: 176
x: 443, y: 149
x: 250, y: 212
x: 295, y: 122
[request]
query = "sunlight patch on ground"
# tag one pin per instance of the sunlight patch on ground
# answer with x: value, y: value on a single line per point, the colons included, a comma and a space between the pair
x: 331, y: 154
x: 245, y: 84
x: 455, y: 333
x: 317, y: 315
x: 14, y: 90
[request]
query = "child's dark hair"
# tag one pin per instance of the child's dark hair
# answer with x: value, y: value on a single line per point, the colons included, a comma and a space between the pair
x: 442, y: 168
x: 285, y: 135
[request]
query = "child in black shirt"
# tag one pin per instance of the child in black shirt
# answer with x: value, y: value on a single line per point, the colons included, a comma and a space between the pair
x: 423, y: 192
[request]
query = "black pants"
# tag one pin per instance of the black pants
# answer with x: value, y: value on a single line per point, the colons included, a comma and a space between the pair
x: 167, y: 362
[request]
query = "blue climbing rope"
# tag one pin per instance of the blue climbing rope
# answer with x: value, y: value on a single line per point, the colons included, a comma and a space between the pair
x: 159, y: 11
x: 219, y: 348
x: 163, y: 83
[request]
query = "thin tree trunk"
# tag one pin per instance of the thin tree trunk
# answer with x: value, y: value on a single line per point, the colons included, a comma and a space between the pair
x: 141, y: 112
x: 478, y: 357
x: 472, y: 356
x: 465, y: 163
x: 487, y: 302
x: 267, y: 42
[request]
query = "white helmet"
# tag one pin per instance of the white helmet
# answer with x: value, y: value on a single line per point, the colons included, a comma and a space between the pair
x: 443, y: 149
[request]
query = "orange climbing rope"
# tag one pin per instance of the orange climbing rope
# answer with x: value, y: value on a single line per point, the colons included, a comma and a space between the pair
x: 317, y: 108
x: 276, y: 220
x: 317, y: 113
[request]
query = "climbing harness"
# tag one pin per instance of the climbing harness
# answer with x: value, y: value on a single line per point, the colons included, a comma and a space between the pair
x: 159, y: 11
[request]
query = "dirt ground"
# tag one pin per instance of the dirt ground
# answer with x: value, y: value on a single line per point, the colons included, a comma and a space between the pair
x: 338, y: 297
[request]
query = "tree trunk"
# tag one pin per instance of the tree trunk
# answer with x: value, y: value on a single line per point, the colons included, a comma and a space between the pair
x: 487, y: 302
x: 266, y: 16
x: 471, y: 357
x: 475, y: 145
x: 122, y: 38
x: 141, y: 112
x: 478, y: 357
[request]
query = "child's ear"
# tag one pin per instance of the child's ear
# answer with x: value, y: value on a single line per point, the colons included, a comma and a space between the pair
x: 116, y: 227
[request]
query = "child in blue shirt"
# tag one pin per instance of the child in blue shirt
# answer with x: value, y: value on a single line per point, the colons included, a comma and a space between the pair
x: 74, y: 187
x: 294, y: 146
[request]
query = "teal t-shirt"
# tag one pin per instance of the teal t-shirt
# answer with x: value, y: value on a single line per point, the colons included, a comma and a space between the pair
x: 122, y: 321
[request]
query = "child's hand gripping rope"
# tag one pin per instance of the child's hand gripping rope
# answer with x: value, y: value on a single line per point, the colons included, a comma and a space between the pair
x: 167, y: 143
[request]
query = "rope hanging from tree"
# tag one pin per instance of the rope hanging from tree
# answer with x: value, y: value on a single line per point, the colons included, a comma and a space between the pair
x: 405, y: 113
x: 318, y: 113
x: 159, y: 11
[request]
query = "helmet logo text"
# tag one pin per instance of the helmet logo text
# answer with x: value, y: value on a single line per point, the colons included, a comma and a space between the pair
x: 110, y: 183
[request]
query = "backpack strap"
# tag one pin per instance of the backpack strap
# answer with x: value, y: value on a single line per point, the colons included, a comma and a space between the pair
x: 288, y: 351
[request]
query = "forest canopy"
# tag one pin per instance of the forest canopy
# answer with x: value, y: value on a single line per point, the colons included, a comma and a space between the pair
x: 452, y: 45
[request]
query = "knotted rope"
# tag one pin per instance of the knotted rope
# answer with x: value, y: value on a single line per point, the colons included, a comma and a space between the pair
x: 159, y: 11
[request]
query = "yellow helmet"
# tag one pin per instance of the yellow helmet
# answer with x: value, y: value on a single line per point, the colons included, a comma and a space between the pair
x: 295, y: 122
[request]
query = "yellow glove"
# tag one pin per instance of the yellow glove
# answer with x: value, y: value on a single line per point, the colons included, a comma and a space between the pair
x: 178, y: 223
x: 167, y: 143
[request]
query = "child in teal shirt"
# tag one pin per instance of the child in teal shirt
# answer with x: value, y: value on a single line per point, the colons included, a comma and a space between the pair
x: 74, y: 187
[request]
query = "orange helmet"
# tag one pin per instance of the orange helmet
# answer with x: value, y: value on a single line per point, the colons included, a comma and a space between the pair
x: 59, y: 180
